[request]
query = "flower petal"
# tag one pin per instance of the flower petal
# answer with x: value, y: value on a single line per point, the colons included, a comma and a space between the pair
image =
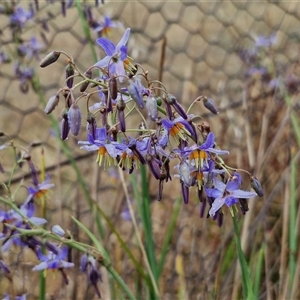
x: 108, y: 46
x: 123, y: 40
x: 243, y: 194
x: 217, y: 204
x: 103, y: 63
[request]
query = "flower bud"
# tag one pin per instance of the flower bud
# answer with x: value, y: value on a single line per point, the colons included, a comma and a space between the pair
x: 91, y: 125
x: 69, y: 75
x: 209, y: 104
x: 151, y: 106
x: 179, y: 109
x: 113, y: 89
x: 85, y: 84
x: 255, y: 184
x: 50, y: 59
x: 65, y: 128
x: 52, y: 103
x: 136, y: 94
x: 74, y: 117
x: 56, y: 229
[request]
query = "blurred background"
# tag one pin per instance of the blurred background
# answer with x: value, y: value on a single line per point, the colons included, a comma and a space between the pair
x: 243, y: 55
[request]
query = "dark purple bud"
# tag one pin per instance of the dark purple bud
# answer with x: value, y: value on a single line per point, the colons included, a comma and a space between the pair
x: 69, y: 75
x: 63, y: 8
x: 136, y: 94
x: 255, y: 184
x: 151, y: 106
x: 85, y: 84
x: 178, y: 108
x: 153, y: 166
x: 121, y: 118
x: 74, y: 117
x: 65, y: 128
x: 243, y: 205
x: 52, y: 103
x: 34, y: 173
x: 220, y: 217
x: 91, y: 125
x: 50, y: 59
x: 209, y: 104
x: 113, y: 88
x: 185, y: 193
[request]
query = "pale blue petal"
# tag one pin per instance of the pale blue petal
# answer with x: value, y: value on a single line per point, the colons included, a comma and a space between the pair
x: 123, y: 40
x: 243, y: 194
x: 217, y: 204
x: 103, y: 63
x: 42, y: 266
x: 108, y: 46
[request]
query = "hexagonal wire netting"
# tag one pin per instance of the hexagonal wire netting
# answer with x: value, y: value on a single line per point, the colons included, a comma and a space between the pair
x: 200, y: 42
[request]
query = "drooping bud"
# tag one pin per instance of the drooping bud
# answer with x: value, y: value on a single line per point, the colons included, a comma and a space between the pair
x: 136, y: 94
x: 65, y: 128
x: 185, y: 193
x: 69, y: 75
x: 50, y: 59
x: 151, y: 106
x: 121, y: 115
x: 85, y: 84
x: 255, y: 184
x: 91, y: 125
x: 179, y: 109
x: 74, y: 117
x: 209, y: 104
x: 113, y: 88
x: 51, y: 104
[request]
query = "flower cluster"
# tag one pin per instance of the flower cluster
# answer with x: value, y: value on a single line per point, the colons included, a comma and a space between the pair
x: 169, y: 134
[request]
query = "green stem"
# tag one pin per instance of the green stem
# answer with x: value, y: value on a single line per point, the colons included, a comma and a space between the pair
x: 246, y: 280
x: 120, y: 281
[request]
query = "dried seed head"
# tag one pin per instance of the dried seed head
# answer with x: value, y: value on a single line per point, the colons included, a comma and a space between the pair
x: 50, y: 59
x: 52, y: 103
x: 69, y: 73
x: 74, y: 117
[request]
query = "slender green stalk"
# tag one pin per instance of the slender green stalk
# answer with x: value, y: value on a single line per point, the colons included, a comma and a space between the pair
x: 246, y: 280
x: 258, y: 271
x: 120, y: 281
x: 168, y: 237
x: 146, y: 217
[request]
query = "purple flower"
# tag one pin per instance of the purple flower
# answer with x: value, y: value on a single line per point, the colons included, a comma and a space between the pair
x: 227, y: 193
x: 30, y: 49
x: 265, y: 41
x: 53, y: 261
x: 39, y: 190
x: 116, y: 56
x: 13, y: 218
x: 105, y: 27
x: 88, y: 264
x: 106, y: 149
x: 21, y: 16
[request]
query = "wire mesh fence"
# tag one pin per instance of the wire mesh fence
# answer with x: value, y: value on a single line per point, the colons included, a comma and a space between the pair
x: 195, y: 48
